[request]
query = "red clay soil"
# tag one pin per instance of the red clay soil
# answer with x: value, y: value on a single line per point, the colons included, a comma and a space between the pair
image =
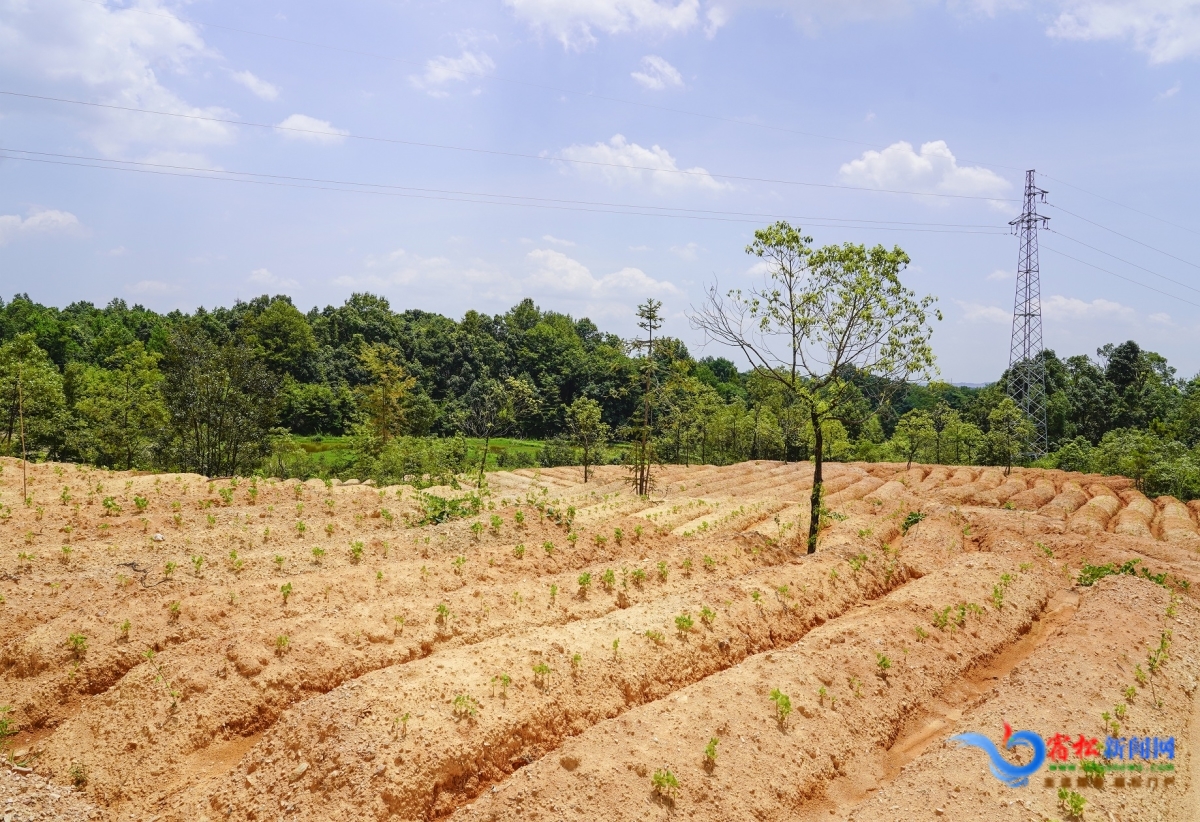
x: 175, y: 648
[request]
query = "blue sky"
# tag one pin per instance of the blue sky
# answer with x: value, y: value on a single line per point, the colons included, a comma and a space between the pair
x: 584, y: 108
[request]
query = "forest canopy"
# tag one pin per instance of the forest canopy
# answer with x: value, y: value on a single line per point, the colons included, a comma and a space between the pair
x: 224, y: 391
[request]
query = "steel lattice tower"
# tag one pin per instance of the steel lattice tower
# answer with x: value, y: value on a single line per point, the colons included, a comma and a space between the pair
x: 1026, y: 369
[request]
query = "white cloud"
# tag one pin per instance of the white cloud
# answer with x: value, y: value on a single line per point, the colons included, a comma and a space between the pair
x: 1169, y: 93
x: 1058, y: 307
x: 976, y: 313
x: 1165, y: 30
x: 619, y: 161
x: 151, y: 287
x: 403, y: 268
x: 1161, y: 318
x: 686, y: 252
x: 933, y: 170
x: 261, y: 276
x: 1001, y: 274
x: 555, y: 271
x: 46, y: 221
x: 114, y: 55
x: 310, y: 129
x: 657, y: 74
x: 442, y: 70
x: 257, y: 86
x: 557, y: 241
x: 572, y: 22
x: 119, y: 251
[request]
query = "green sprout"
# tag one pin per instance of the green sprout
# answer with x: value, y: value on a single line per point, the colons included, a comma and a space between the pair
x: 783, y: 706
x: 286, y: 590
x: 710, y: 752
x: 665, y: 784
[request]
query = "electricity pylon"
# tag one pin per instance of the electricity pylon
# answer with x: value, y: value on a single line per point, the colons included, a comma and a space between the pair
x: 1026, y: 368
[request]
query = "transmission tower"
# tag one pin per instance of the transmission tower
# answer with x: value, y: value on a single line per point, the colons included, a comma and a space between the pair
x: 1026, y: 369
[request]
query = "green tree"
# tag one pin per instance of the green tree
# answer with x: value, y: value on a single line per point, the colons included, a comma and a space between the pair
x: 122, y: 407
x: 588, y: 431
x: 383, y: 399
x: 641, y: 454
x: 31, y: 397
x: 821, y: 318
x: 494, y: 407
x: 914, y: 433
x: 1010, y: 434
x: 221, y: 404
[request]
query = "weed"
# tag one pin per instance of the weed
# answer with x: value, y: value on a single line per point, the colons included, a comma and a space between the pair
x: 1048, y: 552
x: 78, y: 644
x: 912, y: 519
x: 286, y: 590
x: 683, y: 623
x: 783, y: 706
x: 883, y: 663
x: 585, y: 582
x: 282, y: 644
x: 317, y: 553
x: 665, y: 784
x: 79, y: 775
x: 519, y: 551
x: 356, y: 552
x: 7, y: 726
x: 707, y: 615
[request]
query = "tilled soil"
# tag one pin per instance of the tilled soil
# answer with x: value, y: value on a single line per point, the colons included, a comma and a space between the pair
x: 175, y: 648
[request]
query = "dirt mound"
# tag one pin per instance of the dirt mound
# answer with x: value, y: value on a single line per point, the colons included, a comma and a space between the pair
x: 180, y: 649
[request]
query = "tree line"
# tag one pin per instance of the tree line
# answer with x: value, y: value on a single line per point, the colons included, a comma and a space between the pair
x: 839, y: 368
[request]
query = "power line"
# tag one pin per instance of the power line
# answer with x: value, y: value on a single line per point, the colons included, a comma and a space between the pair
x: 1127, y: 262
x: 1120, y: 277
x: 536, y: 202
x: 1126, y: 236
x: 389, y: 186
x: 493, y: 152
x: 1122, y: 205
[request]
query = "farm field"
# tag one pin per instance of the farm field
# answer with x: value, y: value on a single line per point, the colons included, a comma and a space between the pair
x: 177, y: 649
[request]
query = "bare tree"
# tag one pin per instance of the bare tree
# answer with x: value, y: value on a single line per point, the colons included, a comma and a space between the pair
x: 649, y: 320
x: 822, y: 317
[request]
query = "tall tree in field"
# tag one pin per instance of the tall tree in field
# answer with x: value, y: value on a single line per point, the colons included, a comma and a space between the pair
x: 493, y: 408
x: 221, y: 401
x: 1010, y: 433
x: 914, y: 431
x: 820, y: 317
x: 122, y: 406
x: 589, y: 432
x: 649, y: 320
x: 383, y: 399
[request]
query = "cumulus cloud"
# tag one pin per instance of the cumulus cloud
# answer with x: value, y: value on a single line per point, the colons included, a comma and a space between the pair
x: 687, y: 252
x: 262, y: 276
x: 657, y: 74
x: 1161, y: 318
x: 310, y: 129
x: 619, y: 161
x: 1164, y: 30
x: 573, y: 22
x: 977, y: 313
x: 557, y: 241
x: 258, y: 87
x: 46, y: 221
x: 440, y: 71
x: 556, y: 272
x: 934, y: 169
x: 113, y: 55
x: 1058, y: 307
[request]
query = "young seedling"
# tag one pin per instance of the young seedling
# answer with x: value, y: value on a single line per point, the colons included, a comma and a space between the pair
x: 169, y: 569
x: 66, y: 554
x: 286, y: 590
x: 403, y: 722
x: 329, y: 528
x: 399, y: 620
x: 541, y: 675
x: 458, y: 563
x: 282, y: 644
x: 443, y: 613
x: 618, y: 535
x: 576, y: 661
x: 662, y: 572
x: 477, y: 529
x: 519, y: 551
x: 585, y: 583
x: 608, y: 579
x: 710, y: 753
x: 496, y: 522
x: 683, y: 624
x: 783, y: 706
x: 174, y: 609
x: 707, y: 615
x: 1072, y: 802
x: 921, y: 633
x: 656, y: 637
x: 197, y: 563
x: 553, y: 593
x: 857, y: 562
x: 600, y: 540
x: 548, y: 547
x: 665, y: 784
x: 638, y: 576
x: 356, y: 552
x: 519, y: 518
x: 279, y: 560
x: 1130, y: 694
x: 78, y: 644
x: 504, y: 681
x: 317, y: 553
x: 883, y: 664
x: 998, y: 597
x: 124, y: 628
